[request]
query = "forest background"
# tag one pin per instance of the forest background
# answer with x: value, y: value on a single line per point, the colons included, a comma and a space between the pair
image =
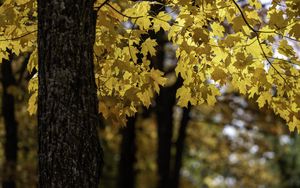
x: 208, y: 102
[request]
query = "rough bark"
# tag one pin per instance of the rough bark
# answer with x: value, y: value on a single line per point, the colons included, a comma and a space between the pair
x: 10, y: 123
x: 70, y: 154
x: 180, y: 148
x: 127, y: 157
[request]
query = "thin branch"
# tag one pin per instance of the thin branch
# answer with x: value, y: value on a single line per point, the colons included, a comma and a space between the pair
x: 277, y: 33
x: 168, y: 22
x: 244, y: 17
x: 258, y: 31
x: 18, y: 37
x: 268, y: 60
x: 235, y: 47
x: 258, y: 39
x: 98, y: 8
x: 119, y: 12
x: 290, y: 38
x: 285, y: 60
x: 216, y: 9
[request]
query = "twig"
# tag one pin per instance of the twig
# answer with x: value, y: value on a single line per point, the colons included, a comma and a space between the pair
x: 18, y: 37
x: 285, y: 60
x: 258, y: 31
x: 131, y: 17
x: 98, y: 8
x: 258, y: 39
x: 268, y: 60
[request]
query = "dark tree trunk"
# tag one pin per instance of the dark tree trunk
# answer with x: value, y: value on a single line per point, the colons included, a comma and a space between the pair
x: 164, y: 115
x: 180, y: 148
x: 70, y: 154
x: 165, y: 102
x: 127, y: 159
x: 11, y: 139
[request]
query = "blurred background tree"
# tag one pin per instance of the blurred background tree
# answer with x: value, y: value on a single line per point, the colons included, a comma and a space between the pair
x: 18, y: 154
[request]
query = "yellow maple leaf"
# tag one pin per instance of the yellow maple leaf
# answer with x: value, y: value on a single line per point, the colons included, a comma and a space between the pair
x: 32, y: 106
x: 149, y: 47
x: 263, y: 98
x: 144, y: 22
x: 145, y: 97
x: 161, y: 21
x: 183, y: 94
x: 218, y: 29
x: 294, y: 124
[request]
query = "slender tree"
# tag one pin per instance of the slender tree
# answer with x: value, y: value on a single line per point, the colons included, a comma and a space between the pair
x: 10, y: 123
x: 175, y: 179
x: 127, y: 159
x: 70, y: 154
x: 164, y: 115
x: 165, y: 103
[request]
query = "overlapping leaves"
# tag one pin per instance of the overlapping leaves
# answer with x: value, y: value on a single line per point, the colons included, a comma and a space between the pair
x: 219, y: 43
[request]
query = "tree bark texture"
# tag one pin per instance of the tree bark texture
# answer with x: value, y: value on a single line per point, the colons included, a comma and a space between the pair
x: 70, y: 154
x: 127, y: 159
x: 10, y: 123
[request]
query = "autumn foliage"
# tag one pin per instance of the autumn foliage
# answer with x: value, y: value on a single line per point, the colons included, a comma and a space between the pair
x: 232, y: 46
x: 218, y: 43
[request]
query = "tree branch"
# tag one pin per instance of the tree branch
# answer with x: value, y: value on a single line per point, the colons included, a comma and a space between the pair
x: 98, y: 8
x: 258, y: 39
x: 119, y: 12
x: 18, y: 37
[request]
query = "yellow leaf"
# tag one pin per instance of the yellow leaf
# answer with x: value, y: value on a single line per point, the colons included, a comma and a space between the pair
x: 263, y: 98
x: 183, y: 94
x: 145, y: 97
x: 33, y: 61
x: 104, y: 110
x: 211, y: 98
x: 32, y: 106
x: 161, y: 21
x: 285, y: 49
x: 218, y: 29
x: 144, y: 22
x: 149, y: 47
x: 295, y: 123
x: 158, y: 77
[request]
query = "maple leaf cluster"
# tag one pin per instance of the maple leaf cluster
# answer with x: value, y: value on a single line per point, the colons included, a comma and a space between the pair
x: 246, y: 46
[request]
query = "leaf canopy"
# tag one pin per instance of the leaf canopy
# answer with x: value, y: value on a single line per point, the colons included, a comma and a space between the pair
x: 247, y: 46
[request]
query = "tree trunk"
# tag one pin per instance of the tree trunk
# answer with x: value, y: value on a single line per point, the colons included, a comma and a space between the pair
x: 127, y: 158
x: 70, y: 154
x: 11, y: 138
x: 165, y: 128
x: 164, y: 115
x: 180, y: 147
x: 165, y: 102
